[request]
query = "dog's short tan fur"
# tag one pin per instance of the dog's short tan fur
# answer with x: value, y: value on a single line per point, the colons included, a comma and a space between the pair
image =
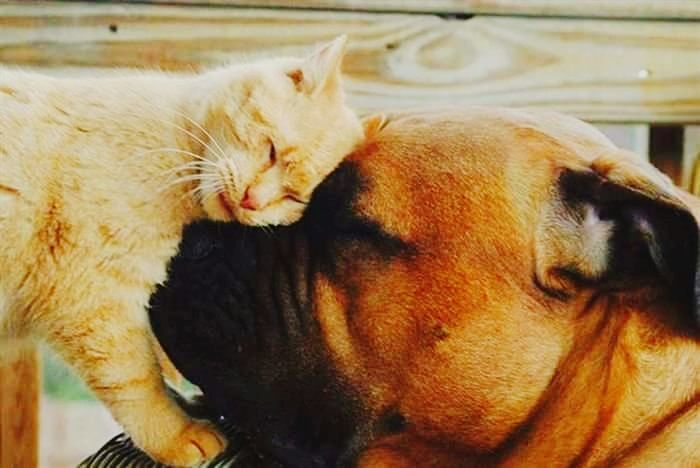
x: 480, y: 340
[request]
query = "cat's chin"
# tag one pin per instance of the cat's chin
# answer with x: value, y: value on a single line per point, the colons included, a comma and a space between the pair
x: 219, y: 208
x: 284, y: 212
x: 280, y: 214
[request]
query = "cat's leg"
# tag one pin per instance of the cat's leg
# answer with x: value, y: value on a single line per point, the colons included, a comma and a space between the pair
x: 168, y: 369
x: 112, y: 350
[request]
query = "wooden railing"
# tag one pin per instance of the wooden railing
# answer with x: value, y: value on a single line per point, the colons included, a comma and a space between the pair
x: 630, y: 66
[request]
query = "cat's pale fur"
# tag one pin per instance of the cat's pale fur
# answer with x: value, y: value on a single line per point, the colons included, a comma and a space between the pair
x: 98, y: 178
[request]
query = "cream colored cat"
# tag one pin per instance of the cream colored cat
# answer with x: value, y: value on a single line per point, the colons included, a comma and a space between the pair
x: 98, y: 178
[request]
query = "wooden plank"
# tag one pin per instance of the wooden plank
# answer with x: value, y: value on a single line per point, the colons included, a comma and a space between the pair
x: 20, y: 385
x: 642, y: 9
x: 599, y: 70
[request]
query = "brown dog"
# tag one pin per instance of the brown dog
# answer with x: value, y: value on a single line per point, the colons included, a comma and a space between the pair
x: 471, y: 288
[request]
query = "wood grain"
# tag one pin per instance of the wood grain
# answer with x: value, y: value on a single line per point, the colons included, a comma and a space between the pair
x: 20, y: 385
x: 649, y: 9
x: 617, y: 71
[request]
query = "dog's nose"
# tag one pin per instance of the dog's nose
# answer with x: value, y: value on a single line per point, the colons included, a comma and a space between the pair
x: 249, y: 202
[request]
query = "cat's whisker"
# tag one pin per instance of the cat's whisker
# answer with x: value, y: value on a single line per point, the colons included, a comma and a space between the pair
x: 214, y: 190
x: 188, y: 178
x: 213, y: 185
x: 228, y: 183
x: 185, y: 170
x: 197, y: 176
x: 206, y: 145
x: 219, y: 154
x: 222, y: 153
x: 227, y: 175
x: 196, y: 156
x: 182, y: 170
x: 165, y: 150
x: 233, y: 171
x: 192, y: 193
x: 195, y: 193
x: 217, y: 151
x: 190, y: 166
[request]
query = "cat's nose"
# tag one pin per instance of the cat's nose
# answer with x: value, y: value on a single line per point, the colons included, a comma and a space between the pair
x: 249, y: 202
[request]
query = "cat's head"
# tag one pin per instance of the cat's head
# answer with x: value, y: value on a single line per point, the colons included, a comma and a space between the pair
x: 277, y: 128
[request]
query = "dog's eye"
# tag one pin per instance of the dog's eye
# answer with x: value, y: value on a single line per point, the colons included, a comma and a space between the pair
x: 350, y: 233
x: 350, y: 226
x: 343, y: 221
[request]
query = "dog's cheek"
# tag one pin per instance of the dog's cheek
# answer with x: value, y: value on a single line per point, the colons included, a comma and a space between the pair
x: 384, y: 458
x: 477, y: 386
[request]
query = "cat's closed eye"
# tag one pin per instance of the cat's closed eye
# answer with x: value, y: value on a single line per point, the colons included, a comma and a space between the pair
x: 273, y: 154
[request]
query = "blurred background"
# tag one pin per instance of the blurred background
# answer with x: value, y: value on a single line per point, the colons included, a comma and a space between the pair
x: 631, y: 67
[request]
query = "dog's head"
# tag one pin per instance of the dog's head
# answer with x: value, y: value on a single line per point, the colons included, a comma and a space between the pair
x: 438, y: 291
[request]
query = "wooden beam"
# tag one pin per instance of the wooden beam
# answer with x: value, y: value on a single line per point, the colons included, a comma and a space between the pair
x: 20, y: 386
x: 641, y: 9
x: 599, y: 70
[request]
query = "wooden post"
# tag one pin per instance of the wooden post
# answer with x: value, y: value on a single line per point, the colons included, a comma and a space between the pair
x: 20, y: 386
x: 666, y: 150
x: 691, y: 153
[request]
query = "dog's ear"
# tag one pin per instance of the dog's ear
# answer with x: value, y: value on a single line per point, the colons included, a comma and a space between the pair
x: 614, y: 224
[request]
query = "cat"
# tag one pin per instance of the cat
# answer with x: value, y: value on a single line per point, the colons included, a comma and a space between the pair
x: 99, y: 176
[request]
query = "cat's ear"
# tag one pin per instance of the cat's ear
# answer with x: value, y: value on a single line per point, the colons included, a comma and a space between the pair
x: 320, y: 71
x: 373, y: 124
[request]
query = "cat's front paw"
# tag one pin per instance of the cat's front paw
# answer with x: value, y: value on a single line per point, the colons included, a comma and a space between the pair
x: 196, y: 443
